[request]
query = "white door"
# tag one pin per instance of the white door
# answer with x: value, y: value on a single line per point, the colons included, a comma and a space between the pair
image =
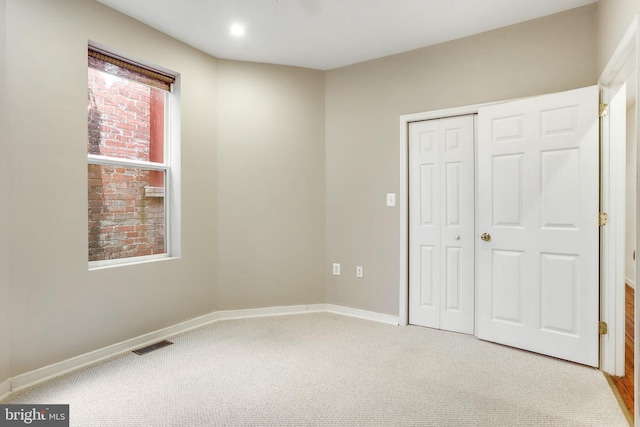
x: 441, y: 224
x: 537, y: 271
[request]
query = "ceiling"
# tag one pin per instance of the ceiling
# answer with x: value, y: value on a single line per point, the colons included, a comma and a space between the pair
x: 327, y: 34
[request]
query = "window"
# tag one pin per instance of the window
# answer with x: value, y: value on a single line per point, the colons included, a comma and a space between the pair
x: 129, y: 166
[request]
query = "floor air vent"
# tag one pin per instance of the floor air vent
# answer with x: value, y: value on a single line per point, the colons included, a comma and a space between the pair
x: 152, y: 347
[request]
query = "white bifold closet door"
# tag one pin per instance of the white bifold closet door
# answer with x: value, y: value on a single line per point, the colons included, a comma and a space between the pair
x: 441, y: 224
x: 537, y: 274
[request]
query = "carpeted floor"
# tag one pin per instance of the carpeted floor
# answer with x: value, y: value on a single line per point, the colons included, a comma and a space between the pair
x: 330, y: 370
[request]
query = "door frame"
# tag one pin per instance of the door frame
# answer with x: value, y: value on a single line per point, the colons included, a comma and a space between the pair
x: 622, y: 64
x: 612, y: 238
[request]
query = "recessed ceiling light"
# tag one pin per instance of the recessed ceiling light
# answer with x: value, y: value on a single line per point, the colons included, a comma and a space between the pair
x: 237, y: 30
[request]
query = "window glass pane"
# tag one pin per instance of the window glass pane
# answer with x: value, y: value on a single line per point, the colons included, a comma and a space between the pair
x: 126, y: 118
x: 126, y: 212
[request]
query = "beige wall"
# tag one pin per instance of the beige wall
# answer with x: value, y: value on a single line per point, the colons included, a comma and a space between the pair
x: 253, y: 216
x: 270, y: 185
x: 363, y: 105
x: 614, y: 18
x: 59, y: 309
x: 5, y: 371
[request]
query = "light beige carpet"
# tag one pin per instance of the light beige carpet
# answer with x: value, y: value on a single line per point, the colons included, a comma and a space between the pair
x: 330, y: 370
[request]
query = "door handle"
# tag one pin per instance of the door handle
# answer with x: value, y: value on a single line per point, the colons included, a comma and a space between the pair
x: 485, y: 236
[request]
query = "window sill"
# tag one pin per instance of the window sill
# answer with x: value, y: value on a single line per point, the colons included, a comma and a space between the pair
x: 102, y: 265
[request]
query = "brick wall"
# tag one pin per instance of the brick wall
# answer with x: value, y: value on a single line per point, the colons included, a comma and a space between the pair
x: 126, y: 215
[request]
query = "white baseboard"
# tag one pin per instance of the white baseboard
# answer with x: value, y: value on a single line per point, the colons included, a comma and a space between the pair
x: 5, y: 389
x: 630, y: 282
x: 28, y: 379
x: 363, y: 314
x: 270, y: 311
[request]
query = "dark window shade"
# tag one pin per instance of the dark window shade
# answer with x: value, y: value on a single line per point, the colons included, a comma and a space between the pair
x: 104, y: 61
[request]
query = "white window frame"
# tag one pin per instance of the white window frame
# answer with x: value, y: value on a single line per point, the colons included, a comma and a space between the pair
x: 170, y: 167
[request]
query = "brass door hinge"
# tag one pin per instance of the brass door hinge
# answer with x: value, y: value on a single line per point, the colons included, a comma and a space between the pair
x: 602, y: 328
x: 603, y: 218
x: 603, y: 110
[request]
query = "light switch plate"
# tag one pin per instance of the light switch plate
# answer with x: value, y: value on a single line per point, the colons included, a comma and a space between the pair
x: 391, y: 199
x: 336, y: 269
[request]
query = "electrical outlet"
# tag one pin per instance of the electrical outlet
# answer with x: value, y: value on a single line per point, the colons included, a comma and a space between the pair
x: 359, y: 271
x: 336, y: 269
